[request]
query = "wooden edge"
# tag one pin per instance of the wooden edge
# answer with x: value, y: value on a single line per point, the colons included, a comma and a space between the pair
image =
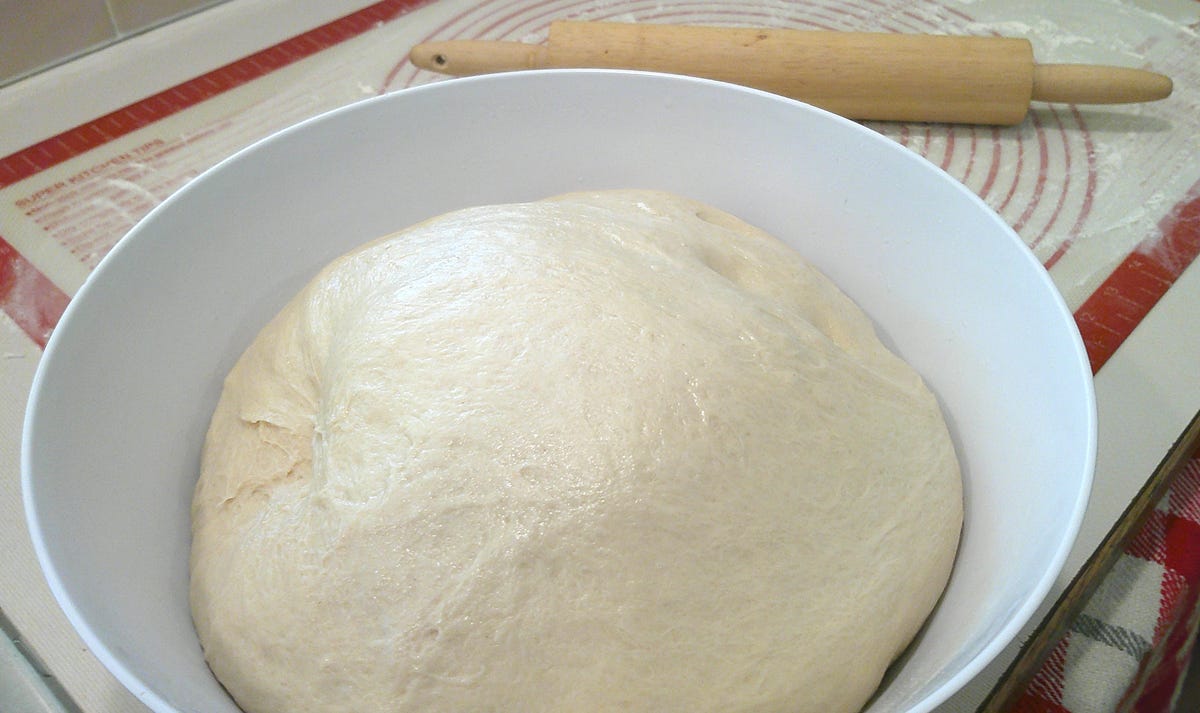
x: 1003, y: 697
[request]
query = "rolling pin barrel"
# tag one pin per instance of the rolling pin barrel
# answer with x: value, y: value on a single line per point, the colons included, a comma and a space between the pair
x: 980, y: 80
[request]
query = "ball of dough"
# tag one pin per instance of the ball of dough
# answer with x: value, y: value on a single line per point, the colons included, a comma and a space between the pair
x: 616, y: 451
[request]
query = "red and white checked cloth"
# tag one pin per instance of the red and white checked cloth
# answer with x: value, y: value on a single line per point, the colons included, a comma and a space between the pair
x: 1124, y: 653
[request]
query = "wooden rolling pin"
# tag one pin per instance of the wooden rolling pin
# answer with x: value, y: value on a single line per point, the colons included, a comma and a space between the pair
x: 896, y: 77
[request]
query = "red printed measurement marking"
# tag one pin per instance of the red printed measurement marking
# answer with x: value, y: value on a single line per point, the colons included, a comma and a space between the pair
x: 1109, y: 316
x: 81, y: 139
x: 31, y: 299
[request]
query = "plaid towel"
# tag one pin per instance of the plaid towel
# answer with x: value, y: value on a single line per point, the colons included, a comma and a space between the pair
x: 1124, y: 652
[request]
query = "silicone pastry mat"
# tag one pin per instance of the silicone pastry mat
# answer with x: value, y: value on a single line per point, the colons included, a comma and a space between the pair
x: 1108, y: 198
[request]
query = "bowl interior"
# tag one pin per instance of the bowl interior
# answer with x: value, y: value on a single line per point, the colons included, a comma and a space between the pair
x: 127, y: 384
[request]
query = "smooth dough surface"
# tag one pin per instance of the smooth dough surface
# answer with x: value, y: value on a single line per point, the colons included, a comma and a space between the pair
x: 615, y: 451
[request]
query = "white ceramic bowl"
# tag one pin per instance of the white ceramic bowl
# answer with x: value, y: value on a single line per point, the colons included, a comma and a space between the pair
x: 129, y: 379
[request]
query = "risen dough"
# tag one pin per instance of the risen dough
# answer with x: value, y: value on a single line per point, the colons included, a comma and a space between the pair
x: 606, y: 452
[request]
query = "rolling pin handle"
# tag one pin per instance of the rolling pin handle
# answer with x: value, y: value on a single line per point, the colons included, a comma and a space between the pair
x: 464, y: 57
x: 1095, y: 84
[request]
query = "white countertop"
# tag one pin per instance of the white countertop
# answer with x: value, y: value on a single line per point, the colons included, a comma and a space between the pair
x: 1147, y: 392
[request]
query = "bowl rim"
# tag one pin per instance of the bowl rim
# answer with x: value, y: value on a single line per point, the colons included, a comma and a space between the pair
x: 1020, y: 617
